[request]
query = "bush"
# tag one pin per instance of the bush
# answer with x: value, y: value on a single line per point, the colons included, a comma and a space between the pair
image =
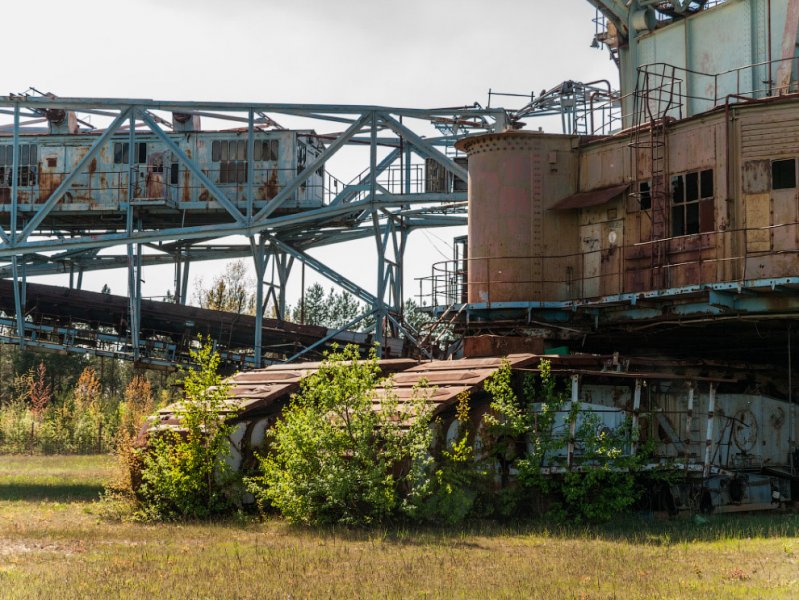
x: 452, y: 484
x: 605, y: 486
x: 34, y: 421
x: 184, y: 473
x: 335, y: 457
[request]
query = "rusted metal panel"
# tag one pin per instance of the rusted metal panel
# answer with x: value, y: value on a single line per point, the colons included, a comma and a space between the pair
x: 770, y: 133
x: 758, y: 219
x: 520, y: 176
x: 694, y: 148
x: 603, y: 166
x: 494, y: 345
x: 756, y: 176
x: 785, y: 216
x: 591, y: 240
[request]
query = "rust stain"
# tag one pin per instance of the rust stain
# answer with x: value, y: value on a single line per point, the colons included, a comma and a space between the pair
x: 186, y: 196
x: 272, y: 187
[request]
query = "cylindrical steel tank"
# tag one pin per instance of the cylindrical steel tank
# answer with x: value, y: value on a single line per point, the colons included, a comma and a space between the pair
x: 514, y: 177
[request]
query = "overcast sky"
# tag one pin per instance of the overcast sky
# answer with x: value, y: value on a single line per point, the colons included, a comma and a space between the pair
x: 412, y: 53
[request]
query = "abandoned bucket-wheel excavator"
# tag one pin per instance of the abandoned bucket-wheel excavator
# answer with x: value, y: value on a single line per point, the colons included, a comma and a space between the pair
x: 649, y: 249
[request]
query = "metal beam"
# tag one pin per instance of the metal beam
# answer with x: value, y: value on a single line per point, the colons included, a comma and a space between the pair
x: 218, y: 194
x: 325, y: 271
x: 424, y: 148
x: 295, y: 183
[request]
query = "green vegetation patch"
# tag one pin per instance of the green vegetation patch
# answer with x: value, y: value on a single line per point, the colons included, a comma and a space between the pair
x: 65, y: 549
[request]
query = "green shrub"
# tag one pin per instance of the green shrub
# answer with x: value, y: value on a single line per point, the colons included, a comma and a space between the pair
x: 184, y: 473
x: 336, y: 458
x: 600, y: 484
x: 452, y: 483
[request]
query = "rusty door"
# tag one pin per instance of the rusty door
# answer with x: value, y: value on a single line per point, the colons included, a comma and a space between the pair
x: 591, y: 249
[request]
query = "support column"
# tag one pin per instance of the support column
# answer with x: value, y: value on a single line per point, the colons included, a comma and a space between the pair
x: 19, y: 303
x: 134, y: 251
x: 177, y: 281
x: 689, y: 421
x: 259, y: 259
x: 184, y: 286
x: 711, y: 412
x: 391, y: 239
x: 575, y: 400
x: 636, y: 413
x: 281, y: 265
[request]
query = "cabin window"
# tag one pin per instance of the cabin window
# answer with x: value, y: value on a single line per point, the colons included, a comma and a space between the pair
x: 783, y: 174
x: 28, y: 156
x: 232, y: 158
x: 121, y: 153
x: 265, y: 150
x: 302, y: 154
x: 692, y: 203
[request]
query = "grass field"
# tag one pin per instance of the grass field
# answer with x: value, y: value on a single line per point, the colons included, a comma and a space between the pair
x: 55, y: 544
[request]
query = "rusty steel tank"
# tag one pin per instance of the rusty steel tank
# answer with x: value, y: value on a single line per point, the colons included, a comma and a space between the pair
x: 519, y: 250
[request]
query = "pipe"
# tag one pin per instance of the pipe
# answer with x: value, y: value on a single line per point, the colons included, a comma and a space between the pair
x: 573, y: 419
x: 769, y: 55
x: 711, y: 408
x: 689, y: 422
x: 636, y: 409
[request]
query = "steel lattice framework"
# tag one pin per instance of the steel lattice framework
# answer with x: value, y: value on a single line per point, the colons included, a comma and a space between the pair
x: 387, y: 201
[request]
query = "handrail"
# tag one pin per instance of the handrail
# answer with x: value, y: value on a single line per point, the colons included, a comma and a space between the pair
x: 687, y: 259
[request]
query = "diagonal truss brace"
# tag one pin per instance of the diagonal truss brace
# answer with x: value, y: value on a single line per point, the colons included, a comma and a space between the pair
x: 325, y: 271
x: 54, y: 198
x: 424, y: 148
x: 218, y: 194
x: 287, y: 191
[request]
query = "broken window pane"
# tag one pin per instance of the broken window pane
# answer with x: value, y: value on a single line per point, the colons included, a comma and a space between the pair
x: 225, y: 154
x: 24, y: 154
x: 783, y: 174
x: 645, y: 197
x: 691, y: 187
x: 216, y: 151
x: 706, y: 184
x: 677, y: 189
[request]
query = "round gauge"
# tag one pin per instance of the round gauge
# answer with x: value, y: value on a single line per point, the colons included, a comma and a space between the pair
x: 777, y: 418
x: 744, y: 429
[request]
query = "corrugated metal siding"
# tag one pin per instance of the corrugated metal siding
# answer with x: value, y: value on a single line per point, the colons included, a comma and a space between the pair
x: 769, y: 135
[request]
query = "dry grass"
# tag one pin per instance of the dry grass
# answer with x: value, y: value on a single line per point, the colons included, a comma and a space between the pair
x: 55, y: 545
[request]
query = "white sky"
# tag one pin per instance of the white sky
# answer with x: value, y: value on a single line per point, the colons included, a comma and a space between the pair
x: 412, y: 53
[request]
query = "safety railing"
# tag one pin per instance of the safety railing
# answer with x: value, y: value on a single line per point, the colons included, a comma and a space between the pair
x: 668, y: 90
x: 674, y: 262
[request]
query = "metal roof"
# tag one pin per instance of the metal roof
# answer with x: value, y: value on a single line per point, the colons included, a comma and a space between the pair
x: 590, y: 198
